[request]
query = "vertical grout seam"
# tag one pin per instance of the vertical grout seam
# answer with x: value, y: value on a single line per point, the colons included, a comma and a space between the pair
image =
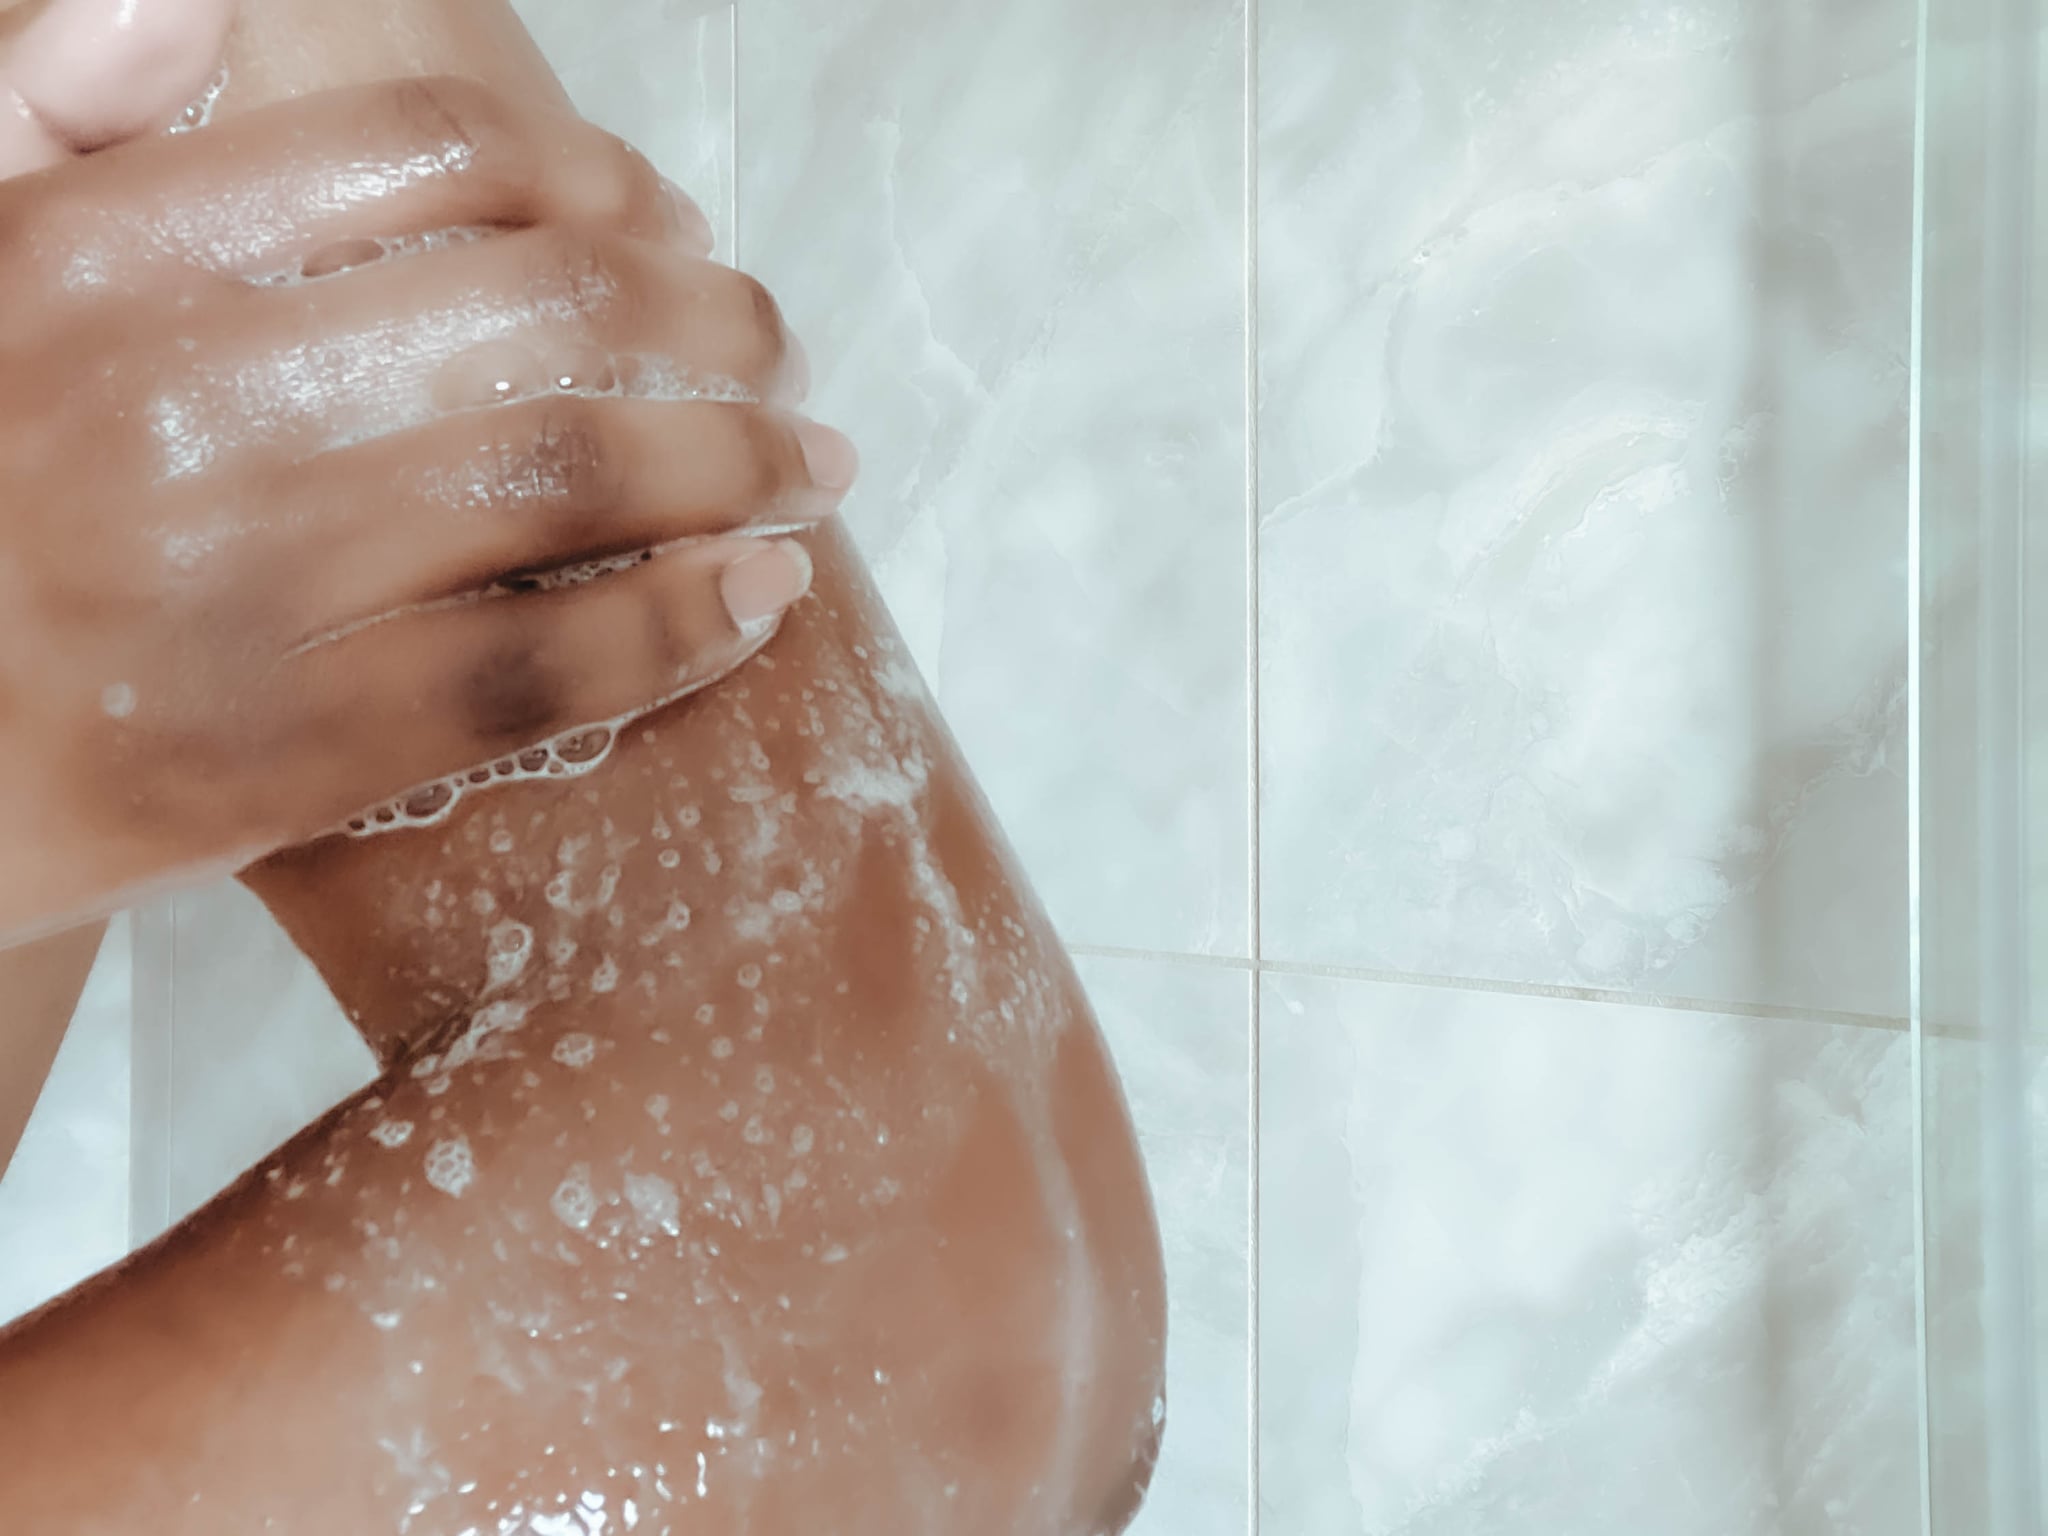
x: 152, y: 1048
x: 1254, y: 796
x: 1914, y: 767
x: 732, y: 142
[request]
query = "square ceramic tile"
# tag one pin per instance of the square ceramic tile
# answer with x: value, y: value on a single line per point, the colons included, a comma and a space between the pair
x: 1582, y: 446
x: 658, y: 73
x: 64, y: 1199
x: 1011, y: 238
x: 1536, y: 1265
x: 1181, y: 1039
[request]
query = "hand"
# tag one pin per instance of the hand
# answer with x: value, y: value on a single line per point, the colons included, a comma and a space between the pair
x: 281, y: 463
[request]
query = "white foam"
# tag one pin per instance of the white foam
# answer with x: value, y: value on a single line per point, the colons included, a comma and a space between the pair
x: 654, y: 1201
x: 393, y: 248
x: 199, y: 114
x: 575, y: 1050
x: 511, y: 947
x: 574, y: 1202
x: 450, y: 1167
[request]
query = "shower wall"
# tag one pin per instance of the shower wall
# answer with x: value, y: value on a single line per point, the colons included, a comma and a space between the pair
x: 1404, y: 506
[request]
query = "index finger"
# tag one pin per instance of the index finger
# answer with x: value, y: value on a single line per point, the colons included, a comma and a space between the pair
x: 264, y: 193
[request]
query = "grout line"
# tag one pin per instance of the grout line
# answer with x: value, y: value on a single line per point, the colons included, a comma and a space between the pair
x: 152, y: 1047
x: 1255, y: 793
x: 1656, y: 1000
x: 1254, y: 1265
x: 732, y: 163
x: 1170, y: 957
x: 1652, y: 1000
x: 1924, y: 1444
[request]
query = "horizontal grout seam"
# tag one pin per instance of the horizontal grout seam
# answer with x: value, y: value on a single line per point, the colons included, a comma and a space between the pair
x: 1612, y: 998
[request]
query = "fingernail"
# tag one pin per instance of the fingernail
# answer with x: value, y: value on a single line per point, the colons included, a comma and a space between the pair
x: 831, y: 459
x: 696, y: 227
x: 759, y: 587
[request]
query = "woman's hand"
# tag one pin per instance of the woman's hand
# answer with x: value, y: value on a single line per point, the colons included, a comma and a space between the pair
x: 282, y: 453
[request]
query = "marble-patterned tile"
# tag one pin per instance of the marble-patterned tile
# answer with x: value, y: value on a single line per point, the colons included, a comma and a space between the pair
x: 1012, y: 240
x: 1582, y: 365
x: 261, y: 1047
x: 1181, y: 1039
x: 658, y: 73
x: 1537, y: 1265
x: 64, y: 1199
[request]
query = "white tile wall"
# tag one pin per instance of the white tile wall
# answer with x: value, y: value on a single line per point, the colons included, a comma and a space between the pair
x: 1541, y: 843
x: 64, y: 1197
x: 1583, y: 443
x: 1543, y: 1265
x: 1179, y: 1037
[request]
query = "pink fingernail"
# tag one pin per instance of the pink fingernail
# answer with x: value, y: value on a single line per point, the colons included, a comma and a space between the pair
x: 696, y: 227
x: 830, y: 456
x: 759, y: 587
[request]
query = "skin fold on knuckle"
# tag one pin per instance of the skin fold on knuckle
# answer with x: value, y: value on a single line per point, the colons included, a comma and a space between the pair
x: 456, y: 120
x: 768, y: 464
x: 761, y: 341
x: 566, y: 471
x: 582, y: 288
x: 510, y: 693
x: 624, y: 190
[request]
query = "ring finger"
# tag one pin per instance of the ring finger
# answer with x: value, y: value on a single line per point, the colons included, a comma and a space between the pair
x: 489, y: 495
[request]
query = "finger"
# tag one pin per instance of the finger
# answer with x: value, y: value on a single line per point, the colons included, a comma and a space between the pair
x: 400, y: 345
x: 436, y: 693
x: 326, y: 180
x: 467, y: 501
x: 395, y: 347
x: 25, y: 144
x: 562, y: 292
x: 95, y: 72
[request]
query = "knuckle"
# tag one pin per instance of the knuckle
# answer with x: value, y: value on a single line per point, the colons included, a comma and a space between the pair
x: 509, y: 693
x: 585, y: 277
x: 472, y: 133
x: 669, y: 653
x: 459, y: 118
x: 565, y: 461
x: 625, y: 188
x: 54, y: 238
x: 575, y: 453
x: 762, y: 339
x: 763, y: 470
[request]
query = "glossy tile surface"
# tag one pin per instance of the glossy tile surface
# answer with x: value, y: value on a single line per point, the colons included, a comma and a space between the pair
x: 1181, y: 1039
x: 1583, y: 344
x: 1540, y: 1265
